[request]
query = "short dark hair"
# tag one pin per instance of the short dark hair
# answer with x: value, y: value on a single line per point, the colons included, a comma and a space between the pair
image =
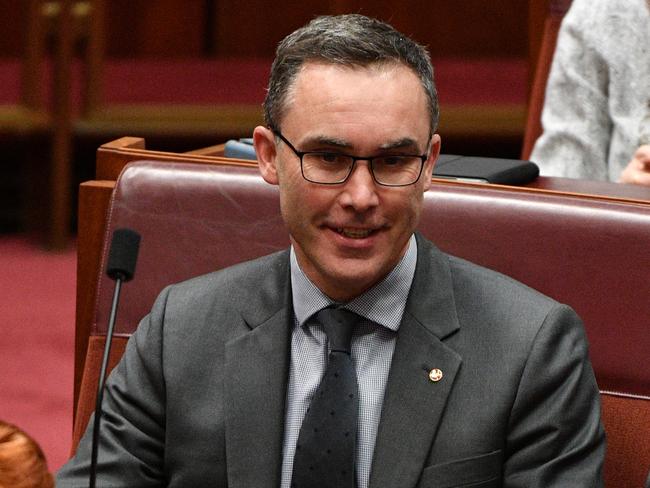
x: 349, y: 40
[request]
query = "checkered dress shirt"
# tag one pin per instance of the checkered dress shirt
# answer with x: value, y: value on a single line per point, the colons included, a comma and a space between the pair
x: 373, y: 344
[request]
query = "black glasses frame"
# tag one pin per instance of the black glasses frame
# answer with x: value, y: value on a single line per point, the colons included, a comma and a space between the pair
x: 300, y: 154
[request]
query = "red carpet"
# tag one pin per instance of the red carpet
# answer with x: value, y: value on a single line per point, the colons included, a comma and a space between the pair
x: 37, y: 343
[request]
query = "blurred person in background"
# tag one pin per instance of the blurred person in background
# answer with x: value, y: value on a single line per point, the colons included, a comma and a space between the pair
x: 596, y: 117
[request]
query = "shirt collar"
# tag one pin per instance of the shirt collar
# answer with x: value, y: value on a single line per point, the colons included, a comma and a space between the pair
x: 384, y: 303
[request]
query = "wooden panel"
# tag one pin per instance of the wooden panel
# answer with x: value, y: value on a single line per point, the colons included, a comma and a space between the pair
x: 541, y: 52
x: 254, y: 28
x: 537, y: 13
x: 14, y: 23
x: 472, y: 28
x: 113, y: 156
x: 164, y: 28
x: 178, y: 28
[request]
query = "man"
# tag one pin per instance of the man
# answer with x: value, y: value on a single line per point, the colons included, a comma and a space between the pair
x: 460, y: 376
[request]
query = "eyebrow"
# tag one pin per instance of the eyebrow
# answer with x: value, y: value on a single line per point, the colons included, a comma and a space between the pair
x: 405, y: 142
x: 400, y: 143
x: 327, y: 141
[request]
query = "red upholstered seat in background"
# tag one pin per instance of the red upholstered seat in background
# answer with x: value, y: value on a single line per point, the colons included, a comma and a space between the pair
x: 186, y: 81
x: 581, y: 250
x: 218, y: 98
x: 243, y: 81
x: 10, y: 74
x: 480, y: 95
x: 23, y: 103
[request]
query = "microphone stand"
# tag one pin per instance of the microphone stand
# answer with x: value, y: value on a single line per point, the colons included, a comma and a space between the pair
x: 121, y: 266
x: 102, y: 379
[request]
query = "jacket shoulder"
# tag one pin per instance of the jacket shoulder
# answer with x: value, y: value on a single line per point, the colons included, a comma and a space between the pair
x: 245, y: 276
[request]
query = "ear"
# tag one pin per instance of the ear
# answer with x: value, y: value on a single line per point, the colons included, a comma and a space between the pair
x: 264, y: 142
x: 431, y: 161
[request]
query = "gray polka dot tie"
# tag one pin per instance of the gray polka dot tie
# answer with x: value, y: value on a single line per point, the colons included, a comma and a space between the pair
x: 326, y: 445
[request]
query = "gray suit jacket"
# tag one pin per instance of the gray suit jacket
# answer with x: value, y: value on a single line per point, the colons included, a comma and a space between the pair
x: 199, y: 397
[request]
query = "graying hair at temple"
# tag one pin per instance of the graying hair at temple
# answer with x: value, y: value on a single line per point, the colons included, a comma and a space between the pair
x: 349, y: 40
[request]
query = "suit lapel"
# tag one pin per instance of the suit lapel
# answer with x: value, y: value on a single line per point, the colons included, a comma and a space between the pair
x: 413, y: 403
x: 256, y: 371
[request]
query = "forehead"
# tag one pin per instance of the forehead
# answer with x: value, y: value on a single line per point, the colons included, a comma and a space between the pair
x: 384, y: 99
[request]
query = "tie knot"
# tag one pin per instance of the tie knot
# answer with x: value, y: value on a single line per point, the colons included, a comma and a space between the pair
x: 338, y: 324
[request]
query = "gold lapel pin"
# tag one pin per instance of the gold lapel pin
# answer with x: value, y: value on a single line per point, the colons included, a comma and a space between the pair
x: 435, y: 375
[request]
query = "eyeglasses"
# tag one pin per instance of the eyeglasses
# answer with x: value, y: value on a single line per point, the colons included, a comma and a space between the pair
x: 332, y: 168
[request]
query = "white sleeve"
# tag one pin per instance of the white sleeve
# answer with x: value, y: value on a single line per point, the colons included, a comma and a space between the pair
x: 576, y: 122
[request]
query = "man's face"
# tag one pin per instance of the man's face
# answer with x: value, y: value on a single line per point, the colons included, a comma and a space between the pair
x: 348, y: 236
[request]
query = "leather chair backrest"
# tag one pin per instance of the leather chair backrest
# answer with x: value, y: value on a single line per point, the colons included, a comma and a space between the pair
x: 192, y: 219
x: 589, y: 252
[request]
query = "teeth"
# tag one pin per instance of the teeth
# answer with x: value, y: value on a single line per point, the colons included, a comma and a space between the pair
x: 354, y: 233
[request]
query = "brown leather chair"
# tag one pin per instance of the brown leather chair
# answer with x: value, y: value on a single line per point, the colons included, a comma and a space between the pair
x: 202, y: 213
x: 554, y: 13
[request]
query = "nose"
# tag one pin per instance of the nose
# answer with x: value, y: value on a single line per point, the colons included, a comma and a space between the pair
x: 360, y: 189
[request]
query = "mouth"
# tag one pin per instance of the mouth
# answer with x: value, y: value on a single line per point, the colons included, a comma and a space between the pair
x: 354, y: 233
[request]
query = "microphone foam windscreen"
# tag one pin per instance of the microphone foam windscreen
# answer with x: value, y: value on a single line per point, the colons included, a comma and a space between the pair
x: 123, y: 254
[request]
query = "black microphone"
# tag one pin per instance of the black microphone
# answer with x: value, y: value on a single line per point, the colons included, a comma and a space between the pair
x: 121, y: 266
x: 123, y: 254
